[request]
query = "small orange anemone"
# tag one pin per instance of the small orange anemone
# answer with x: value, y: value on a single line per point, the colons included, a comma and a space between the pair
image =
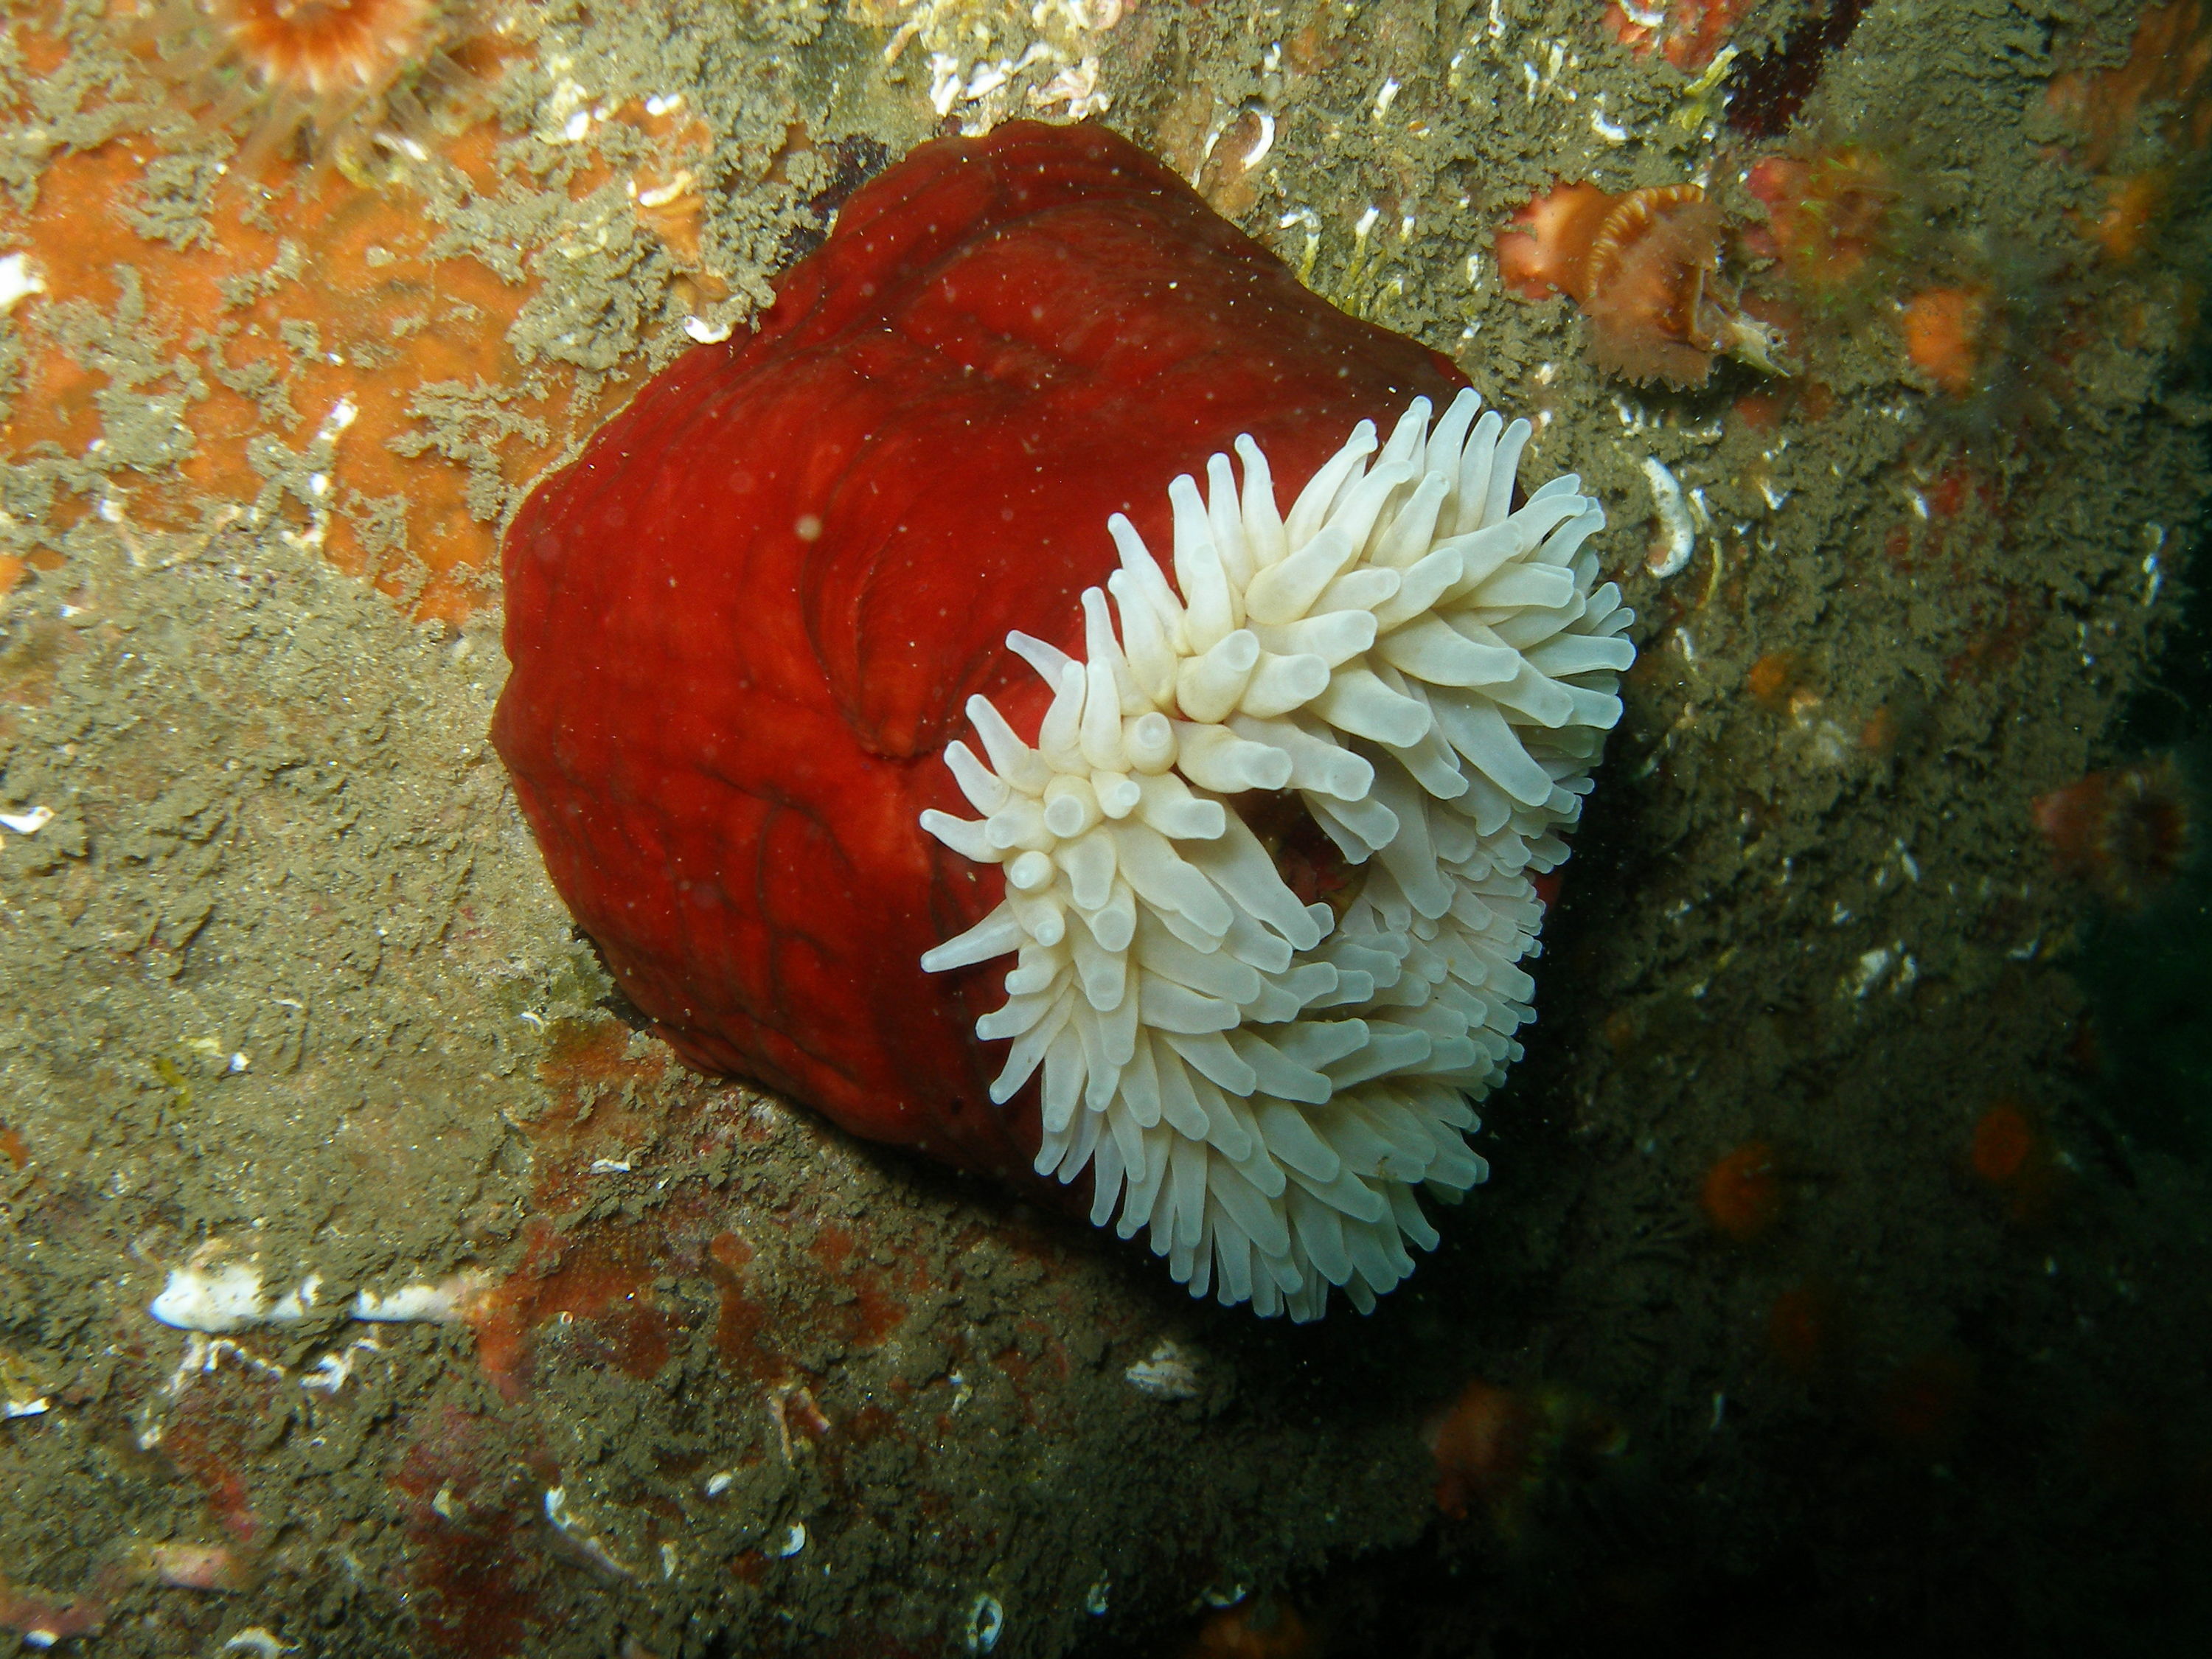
x: 1925, y: 1404
x: 1264, y: 1629
x: 1774, y: 678
x: 2127, y: 832
x: 1688, y: 33
x: 2003, y: 1144
x: 1806, y: 1331
x: 2133, y: 204
x: 2010, y: 1151
x: 1496, y: 1447
x: 331, y: 69
x: 1488, y: 1447
x: 1644, y: 267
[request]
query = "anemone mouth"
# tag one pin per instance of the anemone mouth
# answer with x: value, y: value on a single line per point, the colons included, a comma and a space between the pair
x: 1311, y: 865
x: 1269, y: 859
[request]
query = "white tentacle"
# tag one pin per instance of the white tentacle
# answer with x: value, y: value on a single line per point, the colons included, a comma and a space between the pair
x: 1258, y: 1079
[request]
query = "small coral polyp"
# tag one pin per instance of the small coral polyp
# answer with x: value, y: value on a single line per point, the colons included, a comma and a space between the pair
x: 1943, y: 328
x: 333, y: 69
x: 1259, y: 1082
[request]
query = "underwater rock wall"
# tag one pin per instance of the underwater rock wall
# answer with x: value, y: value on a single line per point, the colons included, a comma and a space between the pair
x: 493, y: 1331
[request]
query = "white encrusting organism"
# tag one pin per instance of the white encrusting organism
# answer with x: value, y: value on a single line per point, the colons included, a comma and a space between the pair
x: 1679, y: 538
x: 1259, y: 1080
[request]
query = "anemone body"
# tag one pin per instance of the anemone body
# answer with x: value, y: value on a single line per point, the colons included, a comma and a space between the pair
x: 1209, y: 927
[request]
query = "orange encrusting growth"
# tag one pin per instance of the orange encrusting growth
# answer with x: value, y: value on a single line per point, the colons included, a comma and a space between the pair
x: 1644, y: 267
x: 1942, y: 330
x: 1743, y: 1194
x: 324, y: 311
x: 602, y: 1278
x: 2010, y: 1151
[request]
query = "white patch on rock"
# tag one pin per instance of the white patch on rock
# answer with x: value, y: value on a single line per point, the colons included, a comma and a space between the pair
x: 214, y: 1296
x: 1167, y: 1373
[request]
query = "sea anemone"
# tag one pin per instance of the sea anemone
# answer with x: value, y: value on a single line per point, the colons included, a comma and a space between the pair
x: 1644, y: 267
x: 1486, y: 1444
x: 1498, y: 1448
x: 1257, y: 821
x: 1267, y: 1628
x: 2127, y: 832
x: 2010, y: 1151
x: 1258, y: 1079
x: 332, y: 71
x: 1808, y: 1331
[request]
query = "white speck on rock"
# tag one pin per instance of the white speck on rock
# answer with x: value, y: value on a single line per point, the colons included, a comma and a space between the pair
x: 1869, y: 972
x: 1166, y: 1373
x: 1678, y: 536
x: 19, y: 280
x: 987, y: 1621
